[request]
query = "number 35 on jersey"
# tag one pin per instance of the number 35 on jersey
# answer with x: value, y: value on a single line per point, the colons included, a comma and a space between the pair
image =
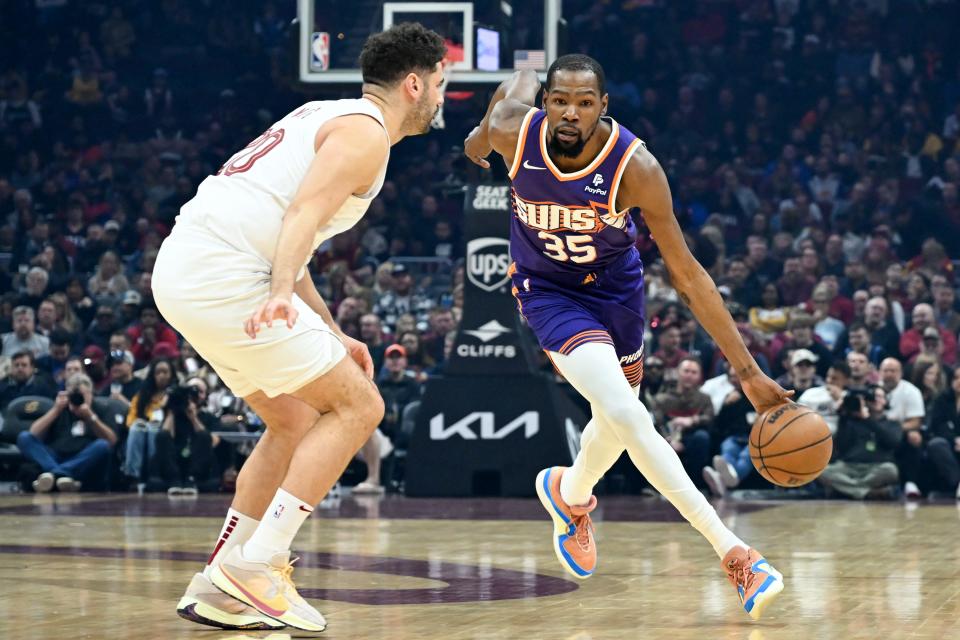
x: 567, y: 232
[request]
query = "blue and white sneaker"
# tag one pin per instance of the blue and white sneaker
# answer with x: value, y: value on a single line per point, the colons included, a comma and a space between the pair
x: 756, y: 581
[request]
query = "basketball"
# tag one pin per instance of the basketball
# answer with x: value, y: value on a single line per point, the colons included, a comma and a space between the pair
x: 790, y: 444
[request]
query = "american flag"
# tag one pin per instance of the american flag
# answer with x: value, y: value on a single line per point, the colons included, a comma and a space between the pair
x: 534, y: 59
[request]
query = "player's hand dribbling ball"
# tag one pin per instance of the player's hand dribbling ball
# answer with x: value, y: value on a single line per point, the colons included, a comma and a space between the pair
x: 790, y: 445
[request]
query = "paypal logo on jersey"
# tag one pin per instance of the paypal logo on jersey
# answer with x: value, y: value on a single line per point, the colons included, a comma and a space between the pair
x: 595, y: 189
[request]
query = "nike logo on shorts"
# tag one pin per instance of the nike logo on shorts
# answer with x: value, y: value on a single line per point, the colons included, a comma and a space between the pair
x: 303, y: 508
x: 527, y: 165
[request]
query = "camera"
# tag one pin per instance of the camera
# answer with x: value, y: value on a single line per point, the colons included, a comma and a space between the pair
x: 851, y: 403
x: 76, y: 398
x: 179, y: 396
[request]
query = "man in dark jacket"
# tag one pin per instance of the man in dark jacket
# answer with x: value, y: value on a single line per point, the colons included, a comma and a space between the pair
x: 24, y: 380
x: 864, y: 447
x: 943, y: 433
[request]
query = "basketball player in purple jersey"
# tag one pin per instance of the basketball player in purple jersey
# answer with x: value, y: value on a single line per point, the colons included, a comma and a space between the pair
x: 578, y: 280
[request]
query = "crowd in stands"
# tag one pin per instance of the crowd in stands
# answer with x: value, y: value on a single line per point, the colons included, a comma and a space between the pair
x: 813, y: 150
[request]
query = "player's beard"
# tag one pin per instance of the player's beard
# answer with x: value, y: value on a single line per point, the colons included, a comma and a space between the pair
x: 569, y: 149
x: 418, y: 121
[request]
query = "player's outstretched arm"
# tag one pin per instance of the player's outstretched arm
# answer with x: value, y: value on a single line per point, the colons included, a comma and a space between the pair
x: 644, y: 185
x: 500, y: 127
x: 350, y: 153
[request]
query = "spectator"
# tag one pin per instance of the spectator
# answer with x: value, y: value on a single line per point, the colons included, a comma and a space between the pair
x: 802, y: 337
x: 883, y: 331
x: 46, y: 321
x: 371, y: 334
x: 772, y: 316
x: 108, y: 284
x: 827, y: 327
x: 418, y: 360
x: 910, y: 341
x: 653, y: 381
x: 23, y: 380
x: 826, y: 399
x: 149, y: 400
x: 71, y: 442
x: 130, y: 308
x: 399, y: 387
x: 402, y: 299
x: 905, y: 406
x: 945, y: 306
x: 35, y: 291
x: 94, y: 365
x: 184, y: 445
x: 80, y: 303
x: 23, y: 337
x: 123, y: 384
x: 732, y: 428
x: 943, y: 449
x: 859, y: 340
x: 719, y: 387
x: 65, y: 317
x: 928, y: 376
x: 864, y: 447
x: 669, y: 351
x: 441, y: 323
x: 905, y: 400
x: 104, y: 324
x: 795, y: 287
x: 149, y: 333
x: 53, y: 363
x: 803, y: 371
x: 685, y: 416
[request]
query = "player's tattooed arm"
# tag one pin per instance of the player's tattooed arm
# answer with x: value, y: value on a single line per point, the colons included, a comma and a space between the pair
x: 500, y: 127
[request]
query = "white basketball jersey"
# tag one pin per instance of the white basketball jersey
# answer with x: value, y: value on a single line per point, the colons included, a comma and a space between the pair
x: 244, y: 203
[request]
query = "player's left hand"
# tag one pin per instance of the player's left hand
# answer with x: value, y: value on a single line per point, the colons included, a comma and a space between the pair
x: 359, y: 354
x: 477, y: 147
x: 763, y: 392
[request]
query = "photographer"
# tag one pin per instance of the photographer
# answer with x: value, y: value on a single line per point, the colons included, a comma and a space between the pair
x: 864, y: 447
x: 184, y: 449
x: 70, y: 442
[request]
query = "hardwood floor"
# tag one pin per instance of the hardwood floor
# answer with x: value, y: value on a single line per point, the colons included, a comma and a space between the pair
x: 87, y: 566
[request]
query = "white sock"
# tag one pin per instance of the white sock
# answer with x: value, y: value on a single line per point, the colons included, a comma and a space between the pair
x: 599, y: 450
x: 594, y: 370
x: 237, y: 529
x: 280, y: 523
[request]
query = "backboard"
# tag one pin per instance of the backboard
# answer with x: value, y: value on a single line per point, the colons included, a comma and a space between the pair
x: 486, y: 39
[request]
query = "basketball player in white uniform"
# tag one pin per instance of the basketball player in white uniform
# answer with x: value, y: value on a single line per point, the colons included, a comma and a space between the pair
x: 232, y: 278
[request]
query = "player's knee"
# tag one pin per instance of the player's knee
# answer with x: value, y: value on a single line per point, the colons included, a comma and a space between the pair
x: 374, y: 411
x: 628, y: 415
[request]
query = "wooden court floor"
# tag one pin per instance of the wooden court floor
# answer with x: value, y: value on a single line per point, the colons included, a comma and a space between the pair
x: 114, y: 566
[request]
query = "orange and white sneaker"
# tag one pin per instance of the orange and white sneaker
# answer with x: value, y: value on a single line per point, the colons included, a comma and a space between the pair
x: 267, y: 587
x: 572, y: 528
x: 756, y: 581
x: 203, y: 603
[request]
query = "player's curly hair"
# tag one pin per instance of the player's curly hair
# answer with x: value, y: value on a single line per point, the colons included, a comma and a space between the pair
x: 408, y: 47
x: 577, y: 62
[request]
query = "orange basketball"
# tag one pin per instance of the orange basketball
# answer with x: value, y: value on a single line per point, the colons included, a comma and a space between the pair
x: 790, y: 444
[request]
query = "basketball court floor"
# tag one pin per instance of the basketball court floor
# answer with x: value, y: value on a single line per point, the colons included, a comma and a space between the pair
x: 113, y: 566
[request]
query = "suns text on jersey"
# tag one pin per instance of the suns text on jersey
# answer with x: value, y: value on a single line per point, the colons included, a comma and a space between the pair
x: 554, y: 217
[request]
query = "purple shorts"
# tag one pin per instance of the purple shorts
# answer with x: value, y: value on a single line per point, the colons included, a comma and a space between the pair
x: 566, y: 310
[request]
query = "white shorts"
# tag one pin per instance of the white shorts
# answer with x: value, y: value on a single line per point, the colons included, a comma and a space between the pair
x: 206, y: 289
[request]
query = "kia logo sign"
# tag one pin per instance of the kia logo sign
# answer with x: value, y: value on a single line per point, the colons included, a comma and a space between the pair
x: 487, y: 262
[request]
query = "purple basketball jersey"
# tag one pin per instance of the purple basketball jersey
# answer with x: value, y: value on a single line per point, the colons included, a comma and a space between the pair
x: 568, y: 223
x: 577, y: 276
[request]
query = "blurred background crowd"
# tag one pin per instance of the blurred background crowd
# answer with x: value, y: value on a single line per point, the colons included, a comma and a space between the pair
x: 813, y: 151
